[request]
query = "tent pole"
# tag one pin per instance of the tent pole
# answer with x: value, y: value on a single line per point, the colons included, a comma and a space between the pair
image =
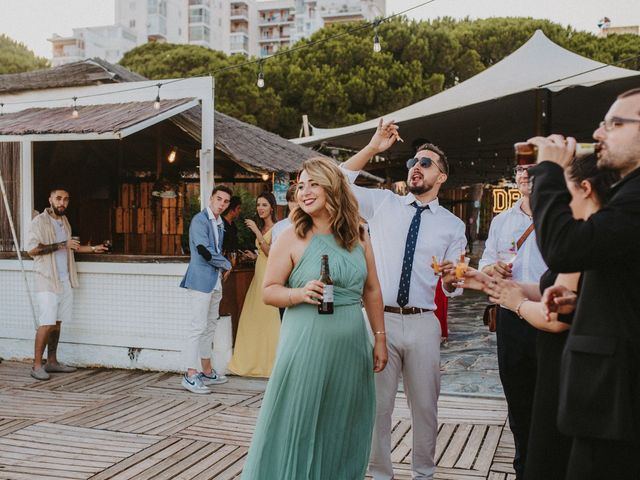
x: 17, y: 245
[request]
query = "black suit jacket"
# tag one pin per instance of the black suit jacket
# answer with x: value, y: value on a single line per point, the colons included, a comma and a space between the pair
x: 600, y: 382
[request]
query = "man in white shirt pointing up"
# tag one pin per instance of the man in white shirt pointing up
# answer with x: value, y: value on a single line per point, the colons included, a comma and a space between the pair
x: 406, y: 232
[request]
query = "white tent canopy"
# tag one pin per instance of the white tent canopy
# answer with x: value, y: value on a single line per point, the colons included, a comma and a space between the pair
x: 537, y: 66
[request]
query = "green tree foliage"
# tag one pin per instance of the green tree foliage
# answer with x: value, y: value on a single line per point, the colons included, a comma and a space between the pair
x: 342, y: 81
x: 17, y: 58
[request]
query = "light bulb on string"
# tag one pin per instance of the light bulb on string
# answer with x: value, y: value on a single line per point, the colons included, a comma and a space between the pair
x: 74, y: 113
x: 172, y: 155
x: 156, y: 104
x: 265, y: 176
x: 376, y: 43
x: 376, y: 39
x: 260, y: 81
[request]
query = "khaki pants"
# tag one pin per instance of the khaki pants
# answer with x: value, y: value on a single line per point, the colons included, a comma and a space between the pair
x: 204, y: 319
x: 414, y: 351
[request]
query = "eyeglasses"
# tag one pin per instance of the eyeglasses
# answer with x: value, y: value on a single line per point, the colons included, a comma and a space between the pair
x: 519, y: 170
x: 614, y: 122
x: 425, y: 162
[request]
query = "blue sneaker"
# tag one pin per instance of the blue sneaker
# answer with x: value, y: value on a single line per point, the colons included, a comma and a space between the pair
x: 194, y: 384
x: 213, y: 378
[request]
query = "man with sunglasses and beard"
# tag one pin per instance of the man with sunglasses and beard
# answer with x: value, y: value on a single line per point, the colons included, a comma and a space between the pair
x: 407, y: 231
x: 515, y: 337
x: 51, y: 246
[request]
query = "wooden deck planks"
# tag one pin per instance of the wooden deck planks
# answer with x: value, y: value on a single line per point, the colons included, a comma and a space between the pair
x: 47, y: 449
x: 41, y: 405
x: 117, y: 424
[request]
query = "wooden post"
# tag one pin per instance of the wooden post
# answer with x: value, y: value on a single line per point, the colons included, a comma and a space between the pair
x: 305, y: 125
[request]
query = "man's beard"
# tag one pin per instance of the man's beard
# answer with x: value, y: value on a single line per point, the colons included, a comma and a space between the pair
x: 59, y: 211
x: 419, y: 189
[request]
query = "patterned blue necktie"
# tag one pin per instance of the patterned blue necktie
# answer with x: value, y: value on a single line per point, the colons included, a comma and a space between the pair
x: 409, y: 250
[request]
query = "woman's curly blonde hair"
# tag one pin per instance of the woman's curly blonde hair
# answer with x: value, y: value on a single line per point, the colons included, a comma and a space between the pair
x: 342, y: 205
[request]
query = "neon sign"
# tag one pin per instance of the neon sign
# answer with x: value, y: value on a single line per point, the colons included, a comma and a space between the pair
x: 504, y: 198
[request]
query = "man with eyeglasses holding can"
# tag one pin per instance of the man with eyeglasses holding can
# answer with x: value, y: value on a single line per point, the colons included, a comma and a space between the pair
x: 511, y: 252
x: 599, y: 403
x: 407, y: 231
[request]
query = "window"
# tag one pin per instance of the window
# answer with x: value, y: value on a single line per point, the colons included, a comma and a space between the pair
x: 199, y: 15
x: 200, y: 33
x: 132, y: 24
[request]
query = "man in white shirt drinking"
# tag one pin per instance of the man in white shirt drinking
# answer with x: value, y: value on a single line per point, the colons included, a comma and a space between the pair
x: 516, y: 338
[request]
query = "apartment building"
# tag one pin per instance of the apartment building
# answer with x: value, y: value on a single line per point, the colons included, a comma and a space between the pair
x: 244, y: 27
x: 109, y: 42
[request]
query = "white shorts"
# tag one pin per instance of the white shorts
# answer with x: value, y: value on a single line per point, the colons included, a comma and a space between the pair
x: 54, y: 307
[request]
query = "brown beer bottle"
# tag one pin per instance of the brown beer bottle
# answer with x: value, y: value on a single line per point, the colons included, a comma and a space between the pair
x: 527, y: 153
x: 326, y: 306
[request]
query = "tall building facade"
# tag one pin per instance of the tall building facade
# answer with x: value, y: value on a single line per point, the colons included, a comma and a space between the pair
x: 245, y: 27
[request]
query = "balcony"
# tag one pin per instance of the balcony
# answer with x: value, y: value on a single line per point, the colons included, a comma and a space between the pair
x: 276, y: 18
x: 344, y: 14
x: 239, y: 14
x: 200, y: 3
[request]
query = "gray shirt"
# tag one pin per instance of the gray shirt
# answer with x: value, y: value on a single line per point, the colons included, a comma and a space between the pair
x: 61, y: 254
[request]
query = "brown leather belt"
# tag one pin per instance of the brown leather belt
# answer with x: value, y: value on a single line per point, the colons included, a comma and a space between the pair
x: 405, y: 310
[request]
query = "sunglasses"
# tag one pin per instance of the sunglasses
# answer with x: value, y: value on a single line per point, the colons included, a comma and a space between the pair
x: 519, y: 170
x: 425, y: 162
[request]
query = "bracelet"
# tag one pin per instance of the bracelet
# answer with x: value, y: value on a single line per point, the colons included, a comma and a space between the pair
x: 379, y: 332
x: 522, y: 302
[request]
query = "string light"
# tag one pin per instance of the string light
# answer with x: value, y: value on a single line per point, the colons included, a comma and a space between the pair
x: 74, y: 113
x: 376, y: 39
x: 156, y: 104
x: 265, y: 176
x: 260, y: 81
x: 172, y: 155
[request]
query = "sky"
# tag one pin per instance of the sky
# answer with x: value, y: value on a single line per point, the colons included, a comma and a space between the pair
x: 33, y: 21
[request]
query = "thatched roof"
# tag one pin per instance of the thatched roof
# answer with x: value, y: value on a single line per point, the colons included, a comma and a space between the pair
x: 99, y: 119
x: 251, y: 147
x: 76, y: 74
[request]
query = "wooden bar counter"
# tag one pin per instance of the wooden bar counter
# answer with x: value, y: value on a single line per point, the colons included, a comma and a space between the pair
x: 234, y: 289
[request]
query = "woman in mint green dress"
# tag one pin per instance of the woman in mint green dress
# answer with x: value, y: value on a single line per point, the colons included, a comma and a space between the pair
x: 317, y: 415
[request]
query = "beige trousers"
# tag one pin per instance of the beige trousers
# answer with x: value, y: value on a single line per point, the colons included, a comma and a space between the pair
x: 414, y: 352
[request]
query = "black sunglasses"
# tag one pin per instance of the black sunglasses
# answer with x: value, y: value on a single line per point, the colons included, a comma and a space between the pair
x: 425, y: 162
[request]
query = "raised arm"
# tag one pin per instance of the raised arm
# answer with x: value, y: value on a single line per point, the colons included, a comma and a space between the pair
x: 384, y: 137
x: 569, y: 245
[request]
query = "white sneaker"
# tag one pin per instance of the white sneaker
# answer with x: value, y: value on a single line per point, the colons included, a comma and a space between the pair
x: 213, y: 378
x: 194, y: 384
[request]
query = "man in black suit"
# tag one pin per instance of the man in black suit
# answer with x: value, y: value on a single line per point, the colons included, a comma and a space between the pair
x: 600, y: 373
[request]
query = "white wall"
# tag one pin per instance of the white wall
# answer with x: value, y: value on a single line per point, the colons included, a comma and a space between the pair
x: 118, y: 307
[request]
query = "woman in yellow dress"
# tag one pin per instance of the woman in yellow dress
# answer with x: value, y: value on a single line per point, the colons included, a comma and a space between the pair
x: 259, y: 326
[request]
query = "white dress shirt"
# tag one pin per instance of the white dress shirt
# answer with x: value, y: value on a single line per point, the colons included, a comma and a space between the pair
x: 389, y: 216
x: 217, y: 222
x: 505, y: 230
x: 278, y: 228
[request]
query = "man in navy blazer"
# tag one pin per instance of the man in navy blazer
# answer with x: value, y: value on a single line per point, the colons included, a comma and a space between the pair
x: 203, y: 280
